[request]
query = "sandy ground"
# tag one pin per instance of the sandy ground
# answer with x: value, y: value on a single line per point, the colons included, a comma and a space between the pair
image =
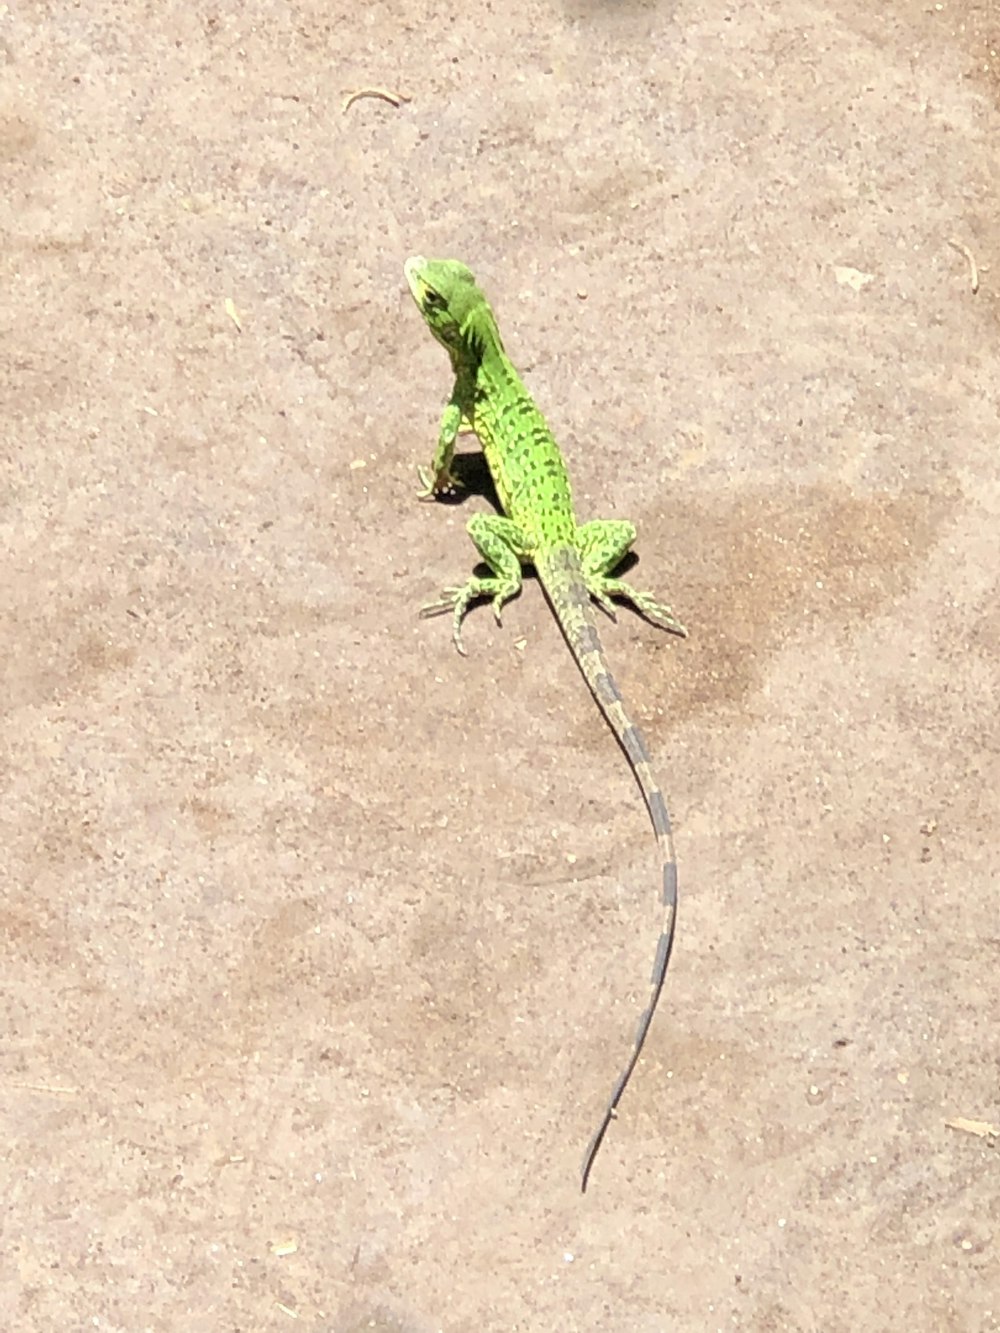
x: 322, y: 946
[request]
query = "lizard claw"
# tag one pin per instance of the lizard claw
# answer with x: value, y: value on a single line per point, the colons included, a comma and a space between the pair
x: 664, y: 618
x: 607, y: 606
x: 446, y: 602
x: 445, y: 483
x: 426, y: 491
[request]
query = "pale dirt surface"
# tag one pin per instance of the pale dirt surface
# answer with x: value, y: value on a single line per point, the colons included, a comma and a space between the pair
x: 322, y: 946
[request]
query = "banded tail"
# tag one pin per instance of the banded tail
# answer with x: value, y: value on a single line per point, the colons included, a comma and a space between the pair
x: 561, y: 575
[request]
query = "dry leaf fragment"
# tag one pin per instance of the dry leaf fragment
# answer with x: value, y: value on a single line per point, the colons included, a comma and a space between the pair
x: 983, y: 1129
x: 852, y: 277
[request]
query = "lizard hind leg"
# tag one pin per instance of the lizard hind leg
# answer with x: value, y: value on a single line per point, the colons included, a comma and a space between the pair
x: 603, y: 544
x: 502, y: 546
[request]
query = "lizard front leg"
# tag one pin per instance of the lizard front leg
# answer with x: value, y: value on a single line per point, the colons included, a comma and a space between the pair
x: 455, y: 421
x: 603, y: 544
x: 440, y: 478
x: 502, y: 546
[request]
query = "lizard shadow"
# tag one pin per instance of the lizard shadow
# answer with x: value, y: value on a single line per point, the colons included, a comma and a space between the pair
x: 471, y: 471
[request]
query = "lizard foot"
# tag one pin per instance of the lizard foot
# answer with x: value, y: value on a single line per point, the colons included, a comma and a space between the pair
x: 644, y: 603
x: 457, y: 601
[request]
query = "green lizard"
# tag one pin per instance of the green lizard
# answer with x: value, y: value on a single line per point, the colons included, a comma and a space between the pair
x: 574, y: 562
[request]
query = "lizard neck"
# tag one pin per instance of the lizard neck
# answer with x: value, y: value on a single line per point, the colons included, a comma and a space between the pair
x: 480, y: 336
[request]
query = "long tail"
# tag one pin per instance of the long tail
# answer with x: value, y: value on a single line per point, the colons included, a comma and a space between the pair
x: 562, y: 578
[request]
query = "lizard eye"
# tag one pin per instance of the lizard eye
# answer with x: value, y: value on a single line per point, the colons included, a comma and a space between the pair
x: 434, y: 300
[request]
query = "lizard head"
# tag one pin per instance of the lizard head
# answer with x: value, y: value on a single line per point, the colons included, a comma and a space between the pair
x: 454, y: 308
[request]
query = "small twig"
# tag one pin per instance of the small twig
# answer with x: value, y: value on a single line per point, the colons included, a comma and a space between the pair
x: 383, y: 94
x: 973, y: 270
x: 53, y: 1089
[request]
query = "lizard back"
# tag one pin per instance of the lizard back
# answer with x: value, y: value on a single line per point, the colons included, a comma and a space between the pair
x: 525, y: 462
